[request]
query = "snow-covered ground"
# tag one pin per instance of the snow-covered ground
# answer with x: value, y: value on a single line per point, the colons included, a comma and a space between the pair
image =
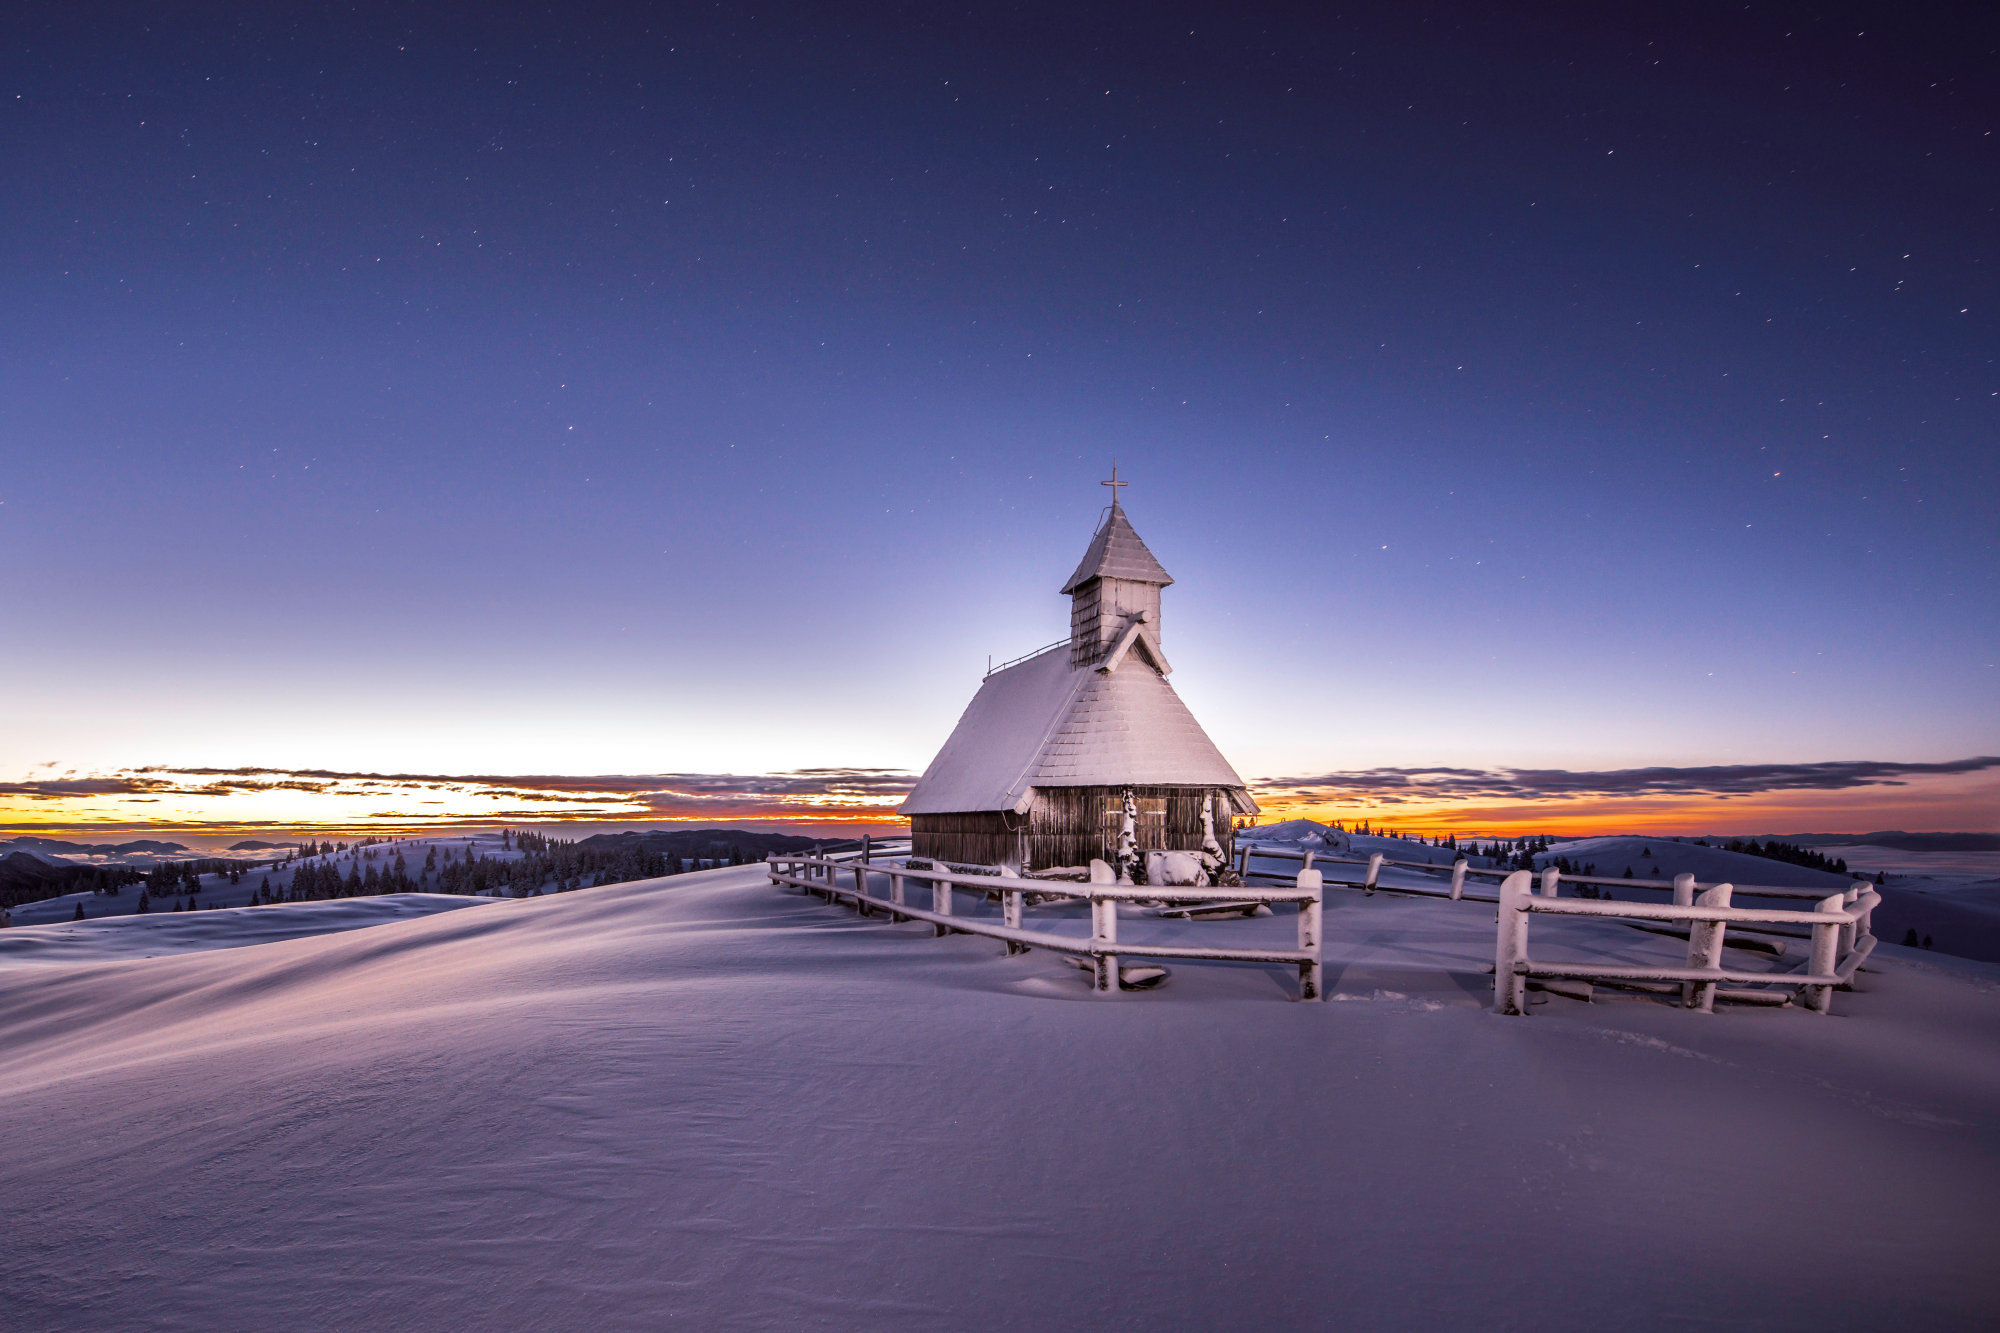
x: 128, y: 935
x: 1951, y: 896
x: 708, y: 1102
x: 1663, y: 858
x: 218, y: 892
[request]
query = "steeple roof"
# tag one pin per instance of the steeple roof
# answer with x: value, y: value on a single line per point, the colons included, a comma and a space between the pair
x: 1117, y: 553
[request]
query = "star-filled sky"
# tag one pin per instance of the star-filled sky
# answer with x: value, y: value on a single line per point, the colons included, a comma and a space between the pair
x: 1573, y: 422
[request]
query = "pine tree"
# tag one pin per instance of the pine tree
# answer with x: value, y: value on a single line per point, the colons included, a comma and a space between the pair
x: 79, y: 914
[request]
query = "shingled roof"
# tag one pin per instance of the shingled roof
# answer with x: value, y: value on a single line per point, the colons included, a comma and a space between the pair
x: 1117, y: 553
x: 1044, y: 723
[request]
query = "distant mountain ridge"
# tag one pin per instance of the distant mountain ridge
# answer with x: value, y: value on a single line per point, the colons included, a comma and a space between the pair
x: 1901, y: 841
x: 143, y: 846
x: 27, y: 878
x: 700, y: 842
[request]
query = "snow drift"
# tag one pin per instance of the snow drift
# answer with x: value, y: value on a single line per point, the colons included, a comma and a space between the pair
x: 706, y: 1101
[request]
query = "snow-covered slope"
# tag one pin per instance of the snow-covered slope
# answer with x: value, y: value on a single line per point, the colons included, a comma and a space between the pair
x: 218, y: 892
x: 705, y: 1102
x: 159, y: 933
x: 1953, y: 896
x: 1663, y: 858
x: 1289, y: 830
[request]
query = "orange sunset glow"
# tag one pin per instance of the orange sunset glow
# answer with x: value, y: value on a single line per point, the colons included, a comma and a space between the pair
x: 1741, y: 799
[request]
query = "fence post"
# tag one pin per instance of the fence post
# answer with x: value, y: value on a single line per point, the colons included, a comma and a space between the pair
x: 1551, y: 880
x: 1010, y: 913
x: 1825, y: 952
x: 1374, y: 869
x: 1103, y: 931
x: 1510, y: 945
x: 1705, y: 949
x: 1865, y: 924
x: 941, y: 902
x: 1684, y: 890
x: 1457, y: 878
x: 861, y: 886
x: 1310, y: 978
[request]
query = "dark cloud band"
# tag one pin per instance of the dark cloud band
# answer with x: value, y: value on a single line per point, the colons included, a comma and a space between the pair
x: 1403, y: 785
x: 857, y: 791
x: 861, y: 793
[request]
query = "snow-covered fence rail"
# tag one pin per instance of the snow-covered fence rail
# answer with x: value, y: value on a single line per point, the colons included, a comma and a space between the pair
x: 853, y: 881
x: 862, y: 849
x: 1682, y: 887
x: 1373, y: 864
x: 1838, y: 926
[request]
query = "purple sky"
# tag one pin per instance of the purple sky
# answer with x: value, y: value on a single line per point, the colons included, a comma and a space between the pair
x: 586, y: 391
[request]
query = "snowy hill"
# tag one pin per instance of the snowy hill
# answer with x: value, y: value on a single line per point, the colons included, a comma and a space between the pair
x: 218, y: 892
x: 1663, y: 858
x: 420, y: 856
x: 708, y: 1102
x: 142, y: 851
x: 162, y: 933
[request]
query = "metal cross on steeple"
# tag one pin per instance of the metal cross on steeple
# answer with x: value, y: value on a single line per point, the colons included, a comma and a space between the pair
x: 1114, y: 483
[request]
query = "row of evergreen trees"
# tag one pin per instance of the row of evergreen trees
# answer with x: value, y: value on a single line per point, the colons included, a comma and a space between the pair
x: 185, y: 876
x: 320, y: 878
x: 31, y: 883
x: 105, y: 879
x: 1517, y: 852
x: 545, y: 864
x: 1785, y: 851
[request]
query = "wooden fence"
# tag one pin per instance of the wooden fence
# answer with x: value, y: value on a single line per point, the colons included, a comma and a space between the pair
x: 1838, y: 928
x: 1838, y: 925
x: 1682, y: 887
x: 853, y: 880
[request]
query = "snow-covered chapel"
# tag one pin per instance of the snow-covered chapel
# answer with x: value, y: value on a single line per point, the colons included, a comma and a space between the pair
x: 1082, y: 751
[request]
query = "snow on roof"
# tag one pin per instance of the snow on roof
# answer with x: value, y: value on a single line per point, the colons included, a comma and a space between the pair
x: 1117, y: 553
x: 1043, y: 723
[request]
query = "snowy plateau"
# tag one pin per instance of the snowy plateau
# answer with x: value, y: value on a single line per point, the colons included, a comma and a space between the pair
x: 707, y: 1102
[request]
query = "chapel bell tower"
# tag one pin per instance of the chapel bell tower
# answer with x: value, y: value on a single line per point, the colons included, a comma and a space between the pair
x: 1118, y: 582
